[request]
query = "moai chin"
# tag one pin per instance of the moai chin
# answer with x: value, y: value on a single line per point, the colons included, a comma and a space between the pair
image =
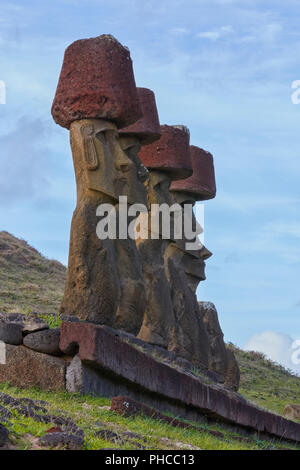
x: 95, y: 94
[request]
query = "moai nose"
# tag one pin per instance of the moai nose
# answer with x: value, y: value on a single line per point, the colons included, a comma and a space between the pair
x: 205, y: 253
x: 123, y: 163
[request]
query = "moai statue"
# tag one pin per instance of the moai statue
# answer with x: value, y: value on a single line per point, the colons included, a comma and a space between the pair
x: 158, y: 323
x: 96, y: 95
x: 168, y: 160
x: 199, y: 187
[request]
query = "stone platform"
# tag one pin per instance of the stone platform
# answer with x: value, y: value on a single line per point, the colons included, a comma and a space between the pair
x: 107, y: 366
x: 96, y: 360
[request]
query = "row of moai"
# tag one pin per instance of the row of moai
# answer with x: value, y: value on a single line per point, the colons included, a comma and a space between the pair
x: 143, y: 286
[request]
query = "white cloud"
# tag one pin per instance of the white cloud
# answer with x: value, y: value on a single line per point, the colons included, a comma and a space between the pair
x: 263, y: 33
x: 278, y: 347
x: 179, y: 31
x: 216, y: 34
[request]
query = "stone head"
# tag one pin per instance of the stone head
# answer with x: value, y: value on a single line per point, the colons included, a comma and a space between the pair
x: 101, y: 163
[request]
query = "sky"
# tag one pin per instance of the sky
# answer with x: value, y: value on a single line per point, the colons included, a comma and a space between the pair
x: 224, y: 68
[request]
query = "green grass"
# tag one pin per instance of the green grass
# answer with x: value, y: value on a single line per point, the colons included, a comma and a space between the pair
x: 88, y: 413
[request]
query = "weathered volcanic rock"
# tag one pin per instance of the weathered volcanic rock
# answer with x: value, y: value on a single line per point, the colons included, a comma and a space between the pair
x: 147, y: 129
x: 11, y: 333
x: 25, y: 368
x: 12, y: 317
x: 233, y: 376
x: 96, y: 81
x: 202, y: 183
x: 292, y: 411
x: 218, y: 356
x: 29, y: 323
x: 3, y: 435
x: 46, y: 341
x: 170, y: 153
x: 61, y: 439
x: 143, y: 375
x: 34, y: 327
x: 222, y: 360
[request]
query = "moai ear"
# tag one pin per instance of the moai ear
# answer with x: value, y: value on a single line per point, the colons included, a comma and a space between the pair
x: 90, y: 152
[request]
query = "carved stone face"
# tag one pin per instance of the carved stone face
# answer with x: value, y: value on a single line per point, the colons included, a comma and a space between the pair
x: 193, y: 261
x: 107, y: 168
x: 183, y: 199
x: 194, y: 270
x: 131, y: 146
x: 158, y: 193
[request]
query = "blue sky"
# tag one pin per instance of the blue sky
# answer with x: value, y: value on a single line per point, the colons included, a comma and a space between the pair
x: 224, y: 68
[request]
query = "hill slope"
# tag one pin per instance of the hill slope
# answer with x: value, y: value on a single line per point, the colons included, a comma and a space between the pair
x: 266, y: 383
x: 28, y: 280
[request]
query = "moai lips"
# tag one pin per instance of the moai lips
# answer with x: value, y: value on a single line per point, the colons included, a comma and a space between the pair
x: 147, y: 128
x: 96, y: 81
x: 170, y: 153
x: 201, y: 185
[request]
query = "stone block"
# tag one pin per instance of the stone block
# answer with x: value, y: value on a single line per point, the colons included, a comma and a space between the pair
x: 25, y: 368
x: 46, y: 341
x: 11, y: 333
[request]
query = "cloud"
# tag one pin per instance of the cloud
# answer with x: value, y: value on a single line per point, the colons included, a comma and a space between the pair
x: 264, y: 33
x: 278, y: 347
x: 23, y: 158
x: 179, y: 31
x: 216, y: 34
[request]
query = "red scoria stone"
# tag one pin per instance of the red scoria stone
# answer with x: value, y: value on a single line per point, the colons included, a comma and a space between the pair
x: 96, y: 81
x: 147, y: 129
x: 202, y: 183
x: 171, y: 153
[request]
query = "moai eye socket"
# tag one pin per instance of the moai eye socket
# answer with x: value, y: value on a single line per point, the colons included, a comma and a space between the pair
x: 102, y: 137
x: 162, y: 186
x: 89, y: 130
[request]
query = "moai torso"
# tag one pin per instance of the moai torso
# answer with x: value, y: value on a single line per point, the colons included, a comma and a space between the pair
x: 159, y: 322
x: 98, y: 288
x: 191, y: 340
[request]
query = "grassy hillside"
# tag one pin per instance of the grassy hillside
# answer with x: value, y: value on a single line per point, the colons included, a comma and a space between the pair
x: 30, y: 282
x: 266, y: 383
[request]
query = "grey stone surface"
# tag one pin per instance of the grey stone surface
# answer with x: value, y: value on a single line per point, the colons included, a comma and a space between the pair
x: 11, y: 333
x: 33, y: 327
x: 45, y: 341
x: 62, y: 439
x: 3, y: 435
